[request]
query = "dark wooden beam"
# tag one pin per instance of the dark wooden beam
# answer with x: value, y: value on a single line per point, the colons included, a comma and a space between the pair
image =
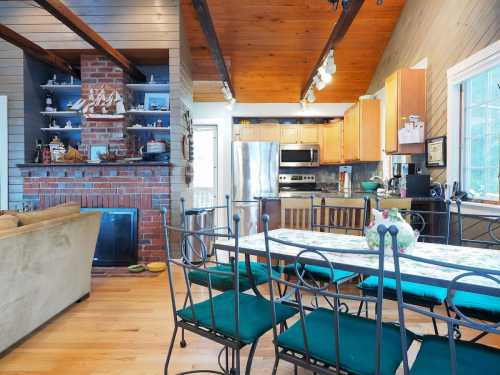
x: 36, y: 51
x: 207, y: 25
x: 60, y: 11
x: 349, y: 12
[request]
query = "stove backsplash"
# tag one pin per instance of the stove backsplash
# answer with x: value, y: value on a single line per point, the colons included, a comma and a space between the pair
x: 327, y: 175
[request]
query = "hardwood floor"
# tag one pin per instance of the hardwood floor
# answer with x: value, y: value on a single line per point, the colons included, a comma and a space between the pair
x: 124, y: 328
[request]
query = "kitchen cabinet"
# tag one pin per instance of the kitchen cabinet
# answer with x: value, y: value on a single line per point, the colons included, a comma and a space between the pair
x: 246, y: 133
x: 305, y: 134
x: 289, y: 134
x: 269, y: 133
x: 361, y: 136
x: 309, y: 134
x: 331, y: 143
x: 256, y: 132
x: 405, y: 95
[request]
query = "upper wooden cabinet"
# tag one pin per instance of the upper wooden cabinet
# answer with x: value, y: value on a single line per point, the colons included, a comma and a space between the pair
x: 300, y: 134
x: 361, y: 139
x: 331, y: 143
x: 289, y: 134
x: 256, y: 132
x: 277, y: 133
x: 249, y: 133
x: 405, y: 95
x: 270, y: 133
x: 309, y: 134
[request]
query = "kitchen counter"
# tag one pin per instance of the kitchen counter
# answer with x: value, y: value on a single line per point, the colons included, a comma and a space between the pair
x: 333, y: 194
x: 102, y: 164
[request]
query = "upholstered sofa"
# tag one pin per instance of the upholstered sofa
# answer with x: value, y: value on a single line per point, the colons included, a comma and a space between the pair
x: 45, y: 266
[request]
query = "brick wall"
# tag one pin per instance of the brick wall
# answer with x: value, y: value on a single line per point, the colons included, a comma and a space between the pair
x: 99, y: 72
x: 146, y: 188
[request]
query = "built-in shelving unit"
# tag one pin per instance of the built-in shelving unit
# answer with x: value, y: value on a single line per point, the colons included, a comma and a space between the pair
x: 149, y: 87
x: 147, y: 113
x: 66, y: 89
x: 147, y: 129
x: 61, y: 114
x: 61, y: 129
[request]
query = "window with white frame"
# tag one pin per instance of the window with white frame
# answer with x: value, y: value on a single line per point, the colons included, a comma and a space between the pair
x: 480, y: 135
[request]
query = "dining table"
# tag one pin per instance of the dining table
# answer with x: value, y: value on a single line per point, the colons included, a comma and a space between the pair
x: 368, y: 264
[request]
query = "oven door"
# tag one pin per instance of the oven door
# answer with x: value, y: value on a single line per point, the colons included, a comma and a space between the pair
x: 299, y: 155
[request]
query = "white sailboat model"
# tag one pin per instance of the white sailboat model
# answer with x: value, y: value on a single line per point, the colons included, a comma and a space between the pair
x: 102, y: 106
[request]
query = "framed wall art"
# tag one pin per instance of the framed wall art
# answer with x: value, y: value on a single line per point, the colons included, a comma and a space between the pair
x: 435, y: 152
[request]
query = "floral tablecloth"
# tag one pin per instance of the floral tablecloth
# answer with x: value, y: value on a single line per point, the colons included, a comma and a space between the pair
x: 467, y: 256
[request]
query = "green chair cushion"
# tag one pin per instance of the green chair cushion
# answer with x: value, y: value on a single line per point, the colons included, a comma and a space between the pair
x: 434, y: 358
x: 255, y: 315
x: 320, y: 273
x: 433, y: 293
x: 357, y: 342
x: 477, y: 301
x: 225, y: 282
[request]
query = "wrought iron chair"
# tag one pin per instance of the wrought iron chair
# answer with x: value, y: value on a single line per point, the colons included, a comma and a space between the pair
x: 421, y: 295
x: 484, y: 231
x: 333, y: 215
x: 221, y: 281
x: 231, y: 318
x: 447, y: 355
x: 324, y: 339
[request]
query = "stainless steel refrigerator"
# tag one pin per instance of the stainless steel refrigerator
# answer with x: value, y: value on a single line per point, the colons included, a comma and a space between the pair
x: 255, y: 174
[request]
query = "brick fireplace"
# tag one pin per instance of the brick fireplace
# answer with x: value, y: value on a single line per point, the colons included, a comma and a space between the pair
x: 145, y: 187
x: 142, y: 185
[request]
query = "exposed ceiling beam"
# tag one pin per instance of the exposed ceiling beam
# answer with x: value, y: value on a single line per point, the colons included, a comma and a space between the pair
x: 36, y: 51
x: 60, y: 11
x: 205, y: 20
x: 349, y: 12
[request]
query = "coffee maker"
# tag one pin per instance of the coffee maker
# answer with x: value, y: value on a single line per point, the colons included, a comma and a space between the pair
x: 399, y: 173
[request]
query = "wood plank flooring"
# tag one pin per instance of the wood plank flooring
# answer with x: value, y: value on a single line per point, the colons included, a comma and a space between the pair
x: 124, y: 328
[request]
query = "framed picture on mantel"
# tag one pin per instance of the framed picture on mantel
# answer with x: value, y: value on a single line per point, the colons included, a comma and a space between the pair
x: 435, y: 152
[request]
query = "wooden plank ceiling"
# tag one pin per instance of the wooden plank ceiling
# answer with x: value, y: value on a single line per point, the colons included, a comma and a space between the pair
x: 272, y: 46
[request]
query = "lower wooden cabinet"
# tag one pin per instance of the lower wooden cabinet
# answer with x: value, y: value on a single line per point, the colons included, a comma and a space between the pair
x: 331, y: 143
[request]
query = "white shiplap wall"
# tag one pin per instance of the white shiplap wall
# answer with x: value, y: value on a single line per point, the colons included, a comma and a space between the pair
x: 138, y: 24
x: 181, y: 84
x: 11, y: 84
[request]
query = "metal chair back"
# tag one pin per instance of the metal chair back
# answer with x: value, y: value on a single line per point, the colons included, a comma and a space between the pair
x: 488, y: 286
x: 425, y: 220
x: 320, y: 256
x: 478, y: 230
x: 186, y: 266
x: 339, y: 215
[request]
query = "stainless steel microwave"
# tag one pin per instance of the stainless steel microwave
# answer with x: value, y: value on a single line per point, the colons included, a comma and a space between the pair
x: 299, y: 155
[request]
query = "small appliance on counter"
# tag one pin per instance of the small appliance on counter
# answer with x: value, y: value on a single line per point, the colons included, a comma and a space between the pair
x: 418, y: 185
x: 345, y: 174
x: 298, y: 182
x: 399, y: 173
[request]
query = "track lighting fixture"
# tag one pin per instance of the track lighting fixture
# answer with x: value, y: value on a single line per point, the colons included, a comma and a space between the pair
x: 319, y: 82
x: 311, y: 98
x: 228, y: 97
x: 323, y: 77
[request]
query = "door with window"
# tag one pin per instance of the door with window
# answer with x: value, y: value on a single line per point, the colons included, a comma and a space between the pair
x: 480, y: 133
x: 205, y: 187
